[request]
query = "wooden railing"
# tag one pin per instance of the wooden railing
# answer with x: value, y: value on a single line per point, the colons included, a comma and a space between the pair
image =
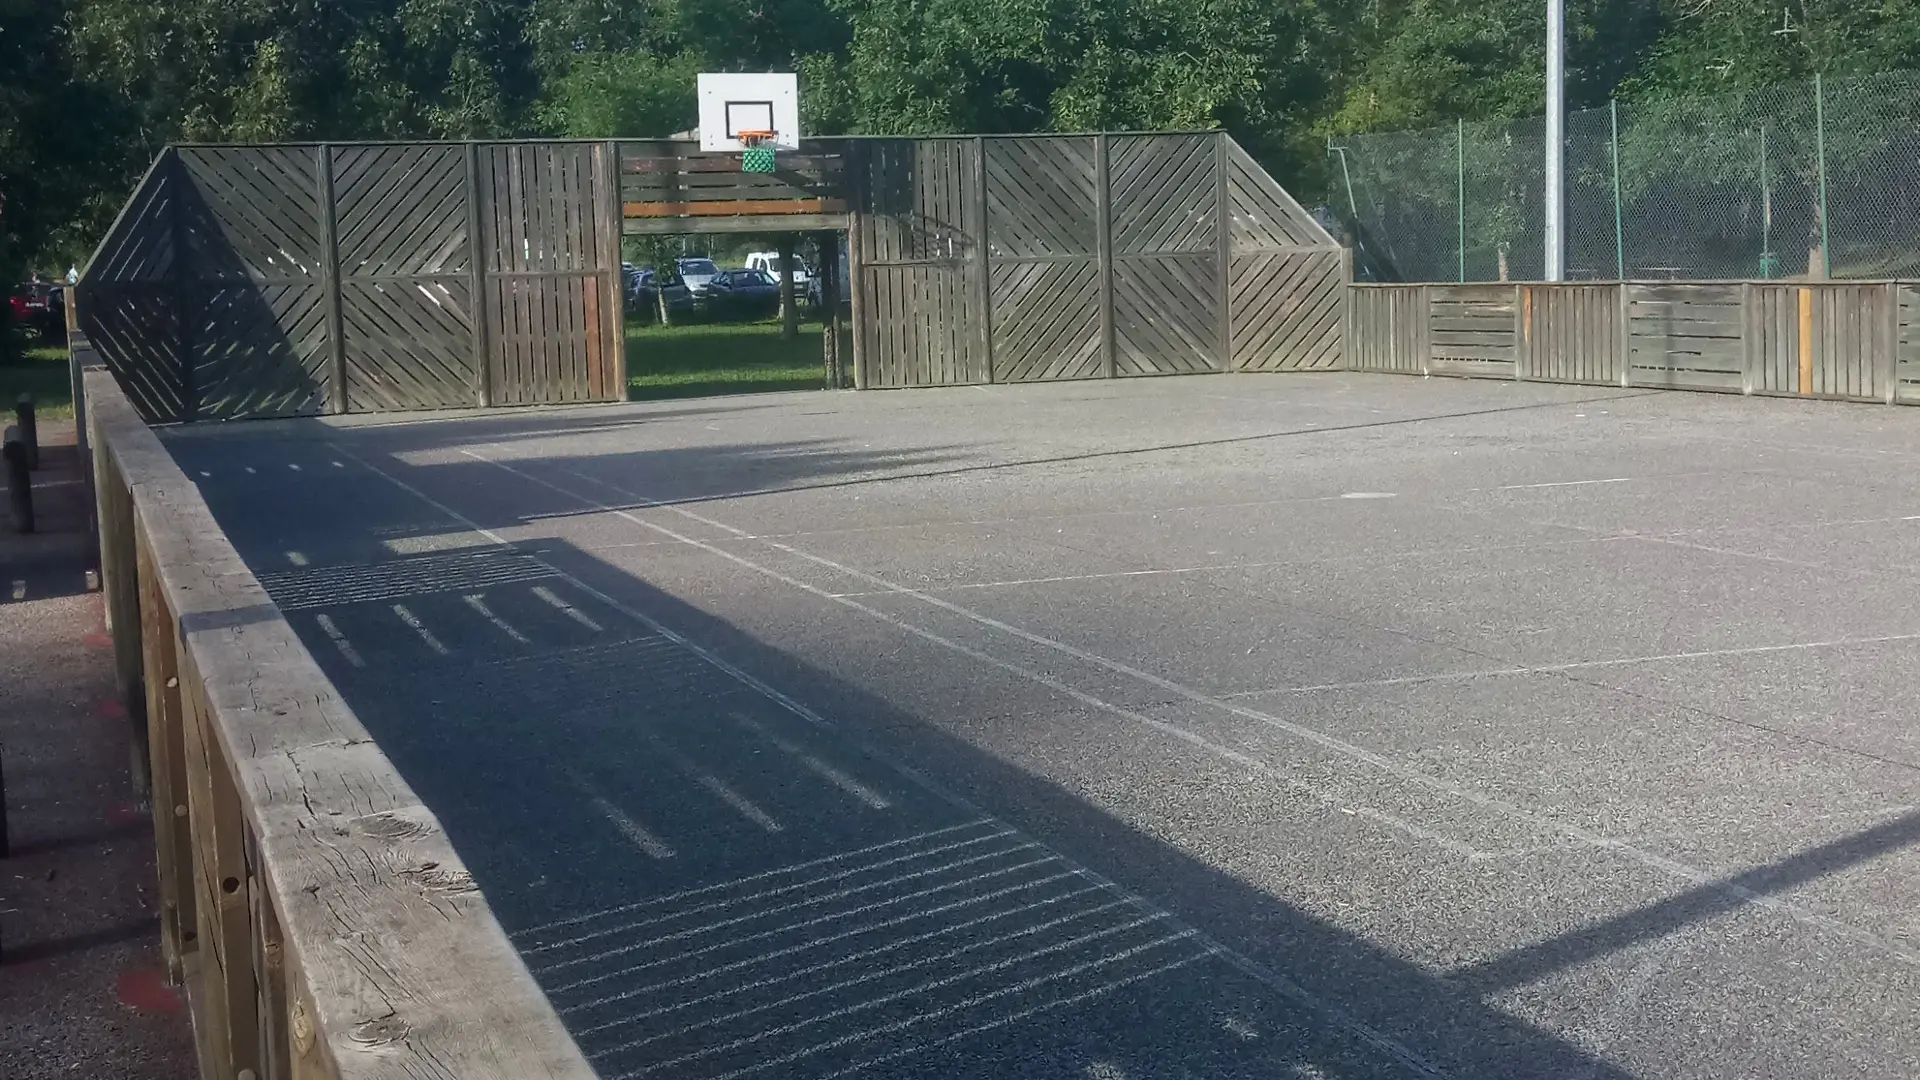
x: 669, y: 186
x: 1851, y: 340
x: 319, y: 919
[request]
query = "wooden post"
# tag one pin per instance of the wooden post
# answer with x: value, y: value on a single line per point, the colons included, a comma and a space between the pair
x: 1522, y: 328
x: 1423, y: 331
x: 224, y: 885
x: 1890, y: 359
x: 330, y: 283
x: 29, y: 428
x: 1625, y: 335
x: 1223, y: 212
x: 789, y: 312
x: 827, y: 268
x: 1103, y: 248
x: 173, y: 838
x: 857, y: 203
x: 1806, y: 342
x: 183, y: 288
x: 19, y: 482
x: 1749, y: 332
x: 120, y: 582
x: 482, y: 305
x: 612, y: 230
x: 982, y: 255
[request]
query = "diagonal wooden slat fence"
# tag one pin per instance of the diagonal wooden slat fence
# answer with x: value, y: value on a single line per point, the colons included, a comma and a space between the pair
x: 1036, y: 258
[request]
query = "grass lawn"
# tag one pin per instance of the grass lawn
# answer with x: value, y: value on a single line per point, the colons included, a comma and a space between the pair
x: 699, y: 359
x: 41, y: 372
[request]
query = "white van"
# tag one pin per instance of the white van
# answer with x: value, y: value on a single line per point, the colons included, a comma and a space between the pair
x: 769, y: 261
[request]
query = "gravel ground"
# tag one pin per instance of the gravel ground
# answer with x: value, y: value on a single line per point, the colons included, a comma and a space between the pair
x: 1312, y: 726
x: 81, y: 992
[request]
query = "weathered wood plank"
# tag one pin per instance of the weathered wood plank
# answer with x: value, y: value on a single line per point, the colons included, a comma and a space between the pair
x: 401, y: 969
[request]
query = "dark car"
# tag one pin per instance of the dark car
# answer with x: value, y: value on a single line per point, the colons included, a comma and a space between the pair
x: 644, y: 289
x: 741, y: 294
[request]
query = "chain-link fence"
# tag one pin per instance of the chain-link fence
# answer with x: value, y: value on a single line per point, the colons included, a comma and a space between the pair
x: 1821, y: 178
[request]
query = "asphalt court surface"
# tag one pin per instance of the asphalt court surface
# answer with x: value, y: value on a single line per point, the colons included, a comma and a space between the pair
x: 1282, y: 726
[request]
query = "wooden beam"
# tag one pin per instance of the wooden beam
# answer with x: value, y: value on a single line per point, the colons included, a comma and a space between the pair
x: 733, y: 207
x: 746, y: 223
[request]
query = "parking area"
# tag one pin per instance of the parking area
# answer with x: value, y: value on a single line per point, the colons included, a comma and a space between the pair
x: 1239, y: 726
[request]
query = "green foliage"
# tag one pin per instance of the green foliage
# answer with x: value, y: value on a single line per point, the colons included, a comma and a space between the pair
x: 91, y: 89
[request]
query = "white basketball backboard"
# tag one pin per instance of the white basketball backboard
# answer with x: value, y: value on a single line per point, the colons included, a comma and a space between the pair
x: 731, y: 103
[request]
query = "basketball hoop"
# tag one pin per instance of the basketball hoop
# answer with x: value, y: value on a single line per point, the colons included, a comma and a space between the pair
x: 756, y: 153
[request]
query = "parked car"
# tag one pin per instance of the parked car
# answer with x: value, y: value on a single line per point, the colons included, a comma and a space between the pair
x: 696, y: 273
x: 643, y: 297
x: 39, y: 307
x: 769, y: 261
x: 740, y: 294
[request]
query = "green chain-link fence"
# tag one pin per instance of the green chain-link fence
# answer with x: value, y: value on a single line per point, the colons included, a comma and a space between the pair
x: 1785, y: 181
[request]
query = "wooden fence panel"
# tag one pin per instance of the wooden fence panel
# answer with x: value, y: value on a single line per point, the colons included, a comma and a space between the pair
x: 546, y: 264
x: 128, y: 302
x: 1265, y: 216
x: 1474, y: 331
x: 1165, y: 194
x: 1169, y: 277
x: 1570, y: 333
x: 1288, y: 309
x: 1907, y: 357
x: 918, y: 242
x: 1854, y: 341
x: 1773, y: 338
x: 1043, y: 235
x: 1166, y: 315
x: 405, y: 277
x: 1686, y: 336
x: 250, y: 223
x: 1387, y: 329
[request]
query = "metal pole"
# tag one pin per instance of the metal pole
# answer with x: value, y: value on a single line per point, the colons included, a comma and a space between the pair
x: 1460, y: 188
x: 1619, y: 224
x: 1766, y: 210
x: 1820, y: 147
x: 1556, y: 139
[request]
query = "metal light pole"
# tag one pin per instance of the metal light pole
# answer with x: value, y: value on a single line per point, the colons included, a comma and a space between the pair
x: 1556, y: 194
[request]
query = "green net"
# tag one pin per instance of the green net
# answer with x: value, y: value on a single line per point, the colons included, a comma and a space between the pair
x: 756, y: 159
x: 1780, y: 181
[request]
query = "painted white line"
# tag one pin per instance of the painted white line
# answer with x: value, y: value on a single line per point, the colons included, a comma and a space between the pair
x: 835, y: 962
x: 916, y: 964
x: 1353, y: 751
x: 649, y: 844
x: 1015, y: 1017
x: 292, y: 466
x: 932, y: 1014
x: 762, y: 876
x: 19, y: 589
x: 832, y: 775
x: 478, y: 602
x: 567, y: 609
x: 1564, y: 483
x: 999, y: 833
x: 204, y: 472
x: 1579, y: 665
x: 715, y: 786
x: 807, y: 924
x: 407, y: 616
x: 340, y: 640
x: 251, y: 471
x: 338, y: 465
x: 296, y: 558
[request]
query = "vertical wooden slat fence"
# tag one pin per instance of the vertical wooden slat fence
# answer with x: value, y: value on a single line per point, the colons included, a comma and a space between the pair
x: 1855, y: 341
x: 322, y: 925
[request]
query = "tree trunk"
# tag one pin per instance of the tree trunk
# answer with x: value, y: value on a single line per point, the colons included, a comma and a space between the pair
x: 789, y: 314
x: 660, y: 301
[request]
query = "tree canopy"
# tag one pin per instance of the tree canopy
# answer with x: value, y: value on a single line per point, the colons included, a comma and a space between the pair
x: 91, y: 89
